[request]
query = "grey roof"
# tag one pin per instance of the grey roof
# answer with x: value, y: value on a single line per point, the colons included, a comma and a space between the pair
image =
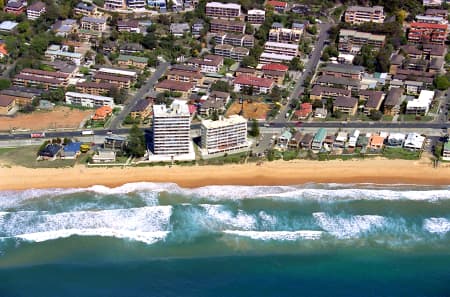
x: 343, y: 101
x: 85, y: 6
x: 397, y: 59
x: 394, y: 97
x: 328, y: 79
x: 344, y: 68
x: 375, y: 97
x: 436, y: 63
x: 221, y: 95
x: 141, y: 105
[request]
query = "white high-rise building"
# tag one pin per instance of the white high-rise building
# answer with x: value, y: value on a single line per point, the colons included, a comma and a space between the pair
x: 171, y: 129
x: 225, y: 135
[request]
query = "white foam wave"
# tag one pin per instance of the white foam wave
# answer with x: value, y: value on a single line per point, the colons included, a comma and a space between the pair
x: 277, y: 235
x: 146, y: 237
x: 437, y: 225
x: 224, y: 217
x: 362, y: 194
x: 134, y: 222
x: 350, y: 227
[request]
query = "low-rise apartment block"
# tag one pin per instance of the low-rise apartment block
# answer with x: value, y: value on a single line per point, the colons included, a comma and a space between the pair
x: 94, y: 88
x: 88, y: 100
x: 42, y: 79
x: 394, y: 99
x: 224, y: 136
x: 142, y: 109
x: 427, y: 33
x: 131, y: 26
x: 207, y: 64
x: 95, y: 24
x: 16, y: 7
x: 223, y: 10
x: 229, y: 51
x: 346, y: 105
x: 62, y: 53
x: 277, y: 52
x: 258, y: 85
x: 285, y: 35
x: 361, y: 14
x: 35, y: 10
x: 343, y: 70
x: 339, y: 82
x: 430, y: 19
x: 185, y: 75
x: 256, y: 16
x: 421, y: 105
x: 352, y: 41
x: 373, y: 100
x: 171, y: 129
x: 115, y: 4
x: 132, y: 61
x: 86, y: 9
x: 184, y: 88
x: 242, y: 40
x: 218, y: 26
x: 322, y: 92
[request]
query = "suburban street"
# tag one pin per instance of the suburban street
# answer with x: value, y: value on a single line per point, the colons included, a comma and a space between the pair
x: 118, y: 119
x: 309, y: 70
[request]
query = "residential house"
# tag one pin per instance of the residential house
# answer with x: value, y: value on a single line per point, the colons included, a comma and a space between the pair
x: 216, y: 102
x: 184, y: 88
x: 318, y: 139
x: 160, y: 4
x: 294, y: 143
x: 136, y: 4
x: 179, y: 29
x: 446, y: 151
x: 7, y: 105
x: 422, y: 104
x: 394, y: 99
x: 104, y: 156
x: 223, y: 10
x: 373, y: 100
x: 3, y: 51
x: 115, y: 142
x: 341, y: 139
x: 413, y: 87
x: 207, y: 64
x: 15, y: 7
x: 197, y: 29
x: 65, y: 27
x: 94, y: 88
x: 36, y: 10
x: 142, y: 109
x: 396, y: 139
x: 256, y: 16
x: 304, y: 112
x: 320, y: 113
x: 346, y: 105
x: 258, y: 85
x: 61, y: 52
x: 414, y: 141
x: 102, y: 113
x: 131, y: 49
x: 96, y: 24
x: 50, y: 152
x: 306, y: 141
x: 285, y: 35
x: 283, y: 139
x: 361, y: 14
x: 353, y: 139
x: 278, y: 6
x: 132, y: 61
x: 376, y: 142
x: 131, y: 26
x: 88, y: 100
x: 8, y: 27
x: 115, y: 4
x: 71, y: 151
x: 87, y: 9
x: 319, y: 92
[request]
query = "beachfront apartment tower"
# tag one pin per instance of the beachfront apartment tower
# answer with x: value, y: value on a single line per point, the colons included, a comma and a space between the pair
x: 225, y: 135
x: 171, y: 129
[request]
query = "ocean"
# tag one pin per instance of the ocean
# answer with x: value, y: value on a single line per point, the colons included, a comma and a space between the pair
x: 150, y: 239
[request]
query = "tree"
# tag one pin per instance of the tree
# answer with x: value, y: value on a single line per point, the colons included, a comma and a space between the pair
x: 136, y: 142
x: 221, y: 86
x: 441, y: 82
x: 254, y: 132
x: 311, y: 30
x: 375, y: 115
x: 296, y: 64
x: 275, y: 94
x: 149, y: 41
x: 249, y: 61
x: 4, y: 84
x: 100, y: 59
x: 249, y: 29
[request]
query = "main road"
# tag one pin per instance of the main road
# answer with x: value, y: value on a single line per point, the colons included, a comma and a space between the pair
x: 310, y: 69
x: 118, y: 119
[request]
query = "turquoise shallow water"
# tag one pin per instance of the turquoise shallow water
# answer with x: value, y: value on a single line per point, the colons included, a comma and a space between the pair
x: 149, y: 239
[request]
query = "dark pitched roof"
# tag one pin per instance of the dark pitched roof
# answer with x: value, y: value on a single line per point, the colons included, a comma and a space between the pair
x: 219, y: 95
x: 141, y: 105
x: 343, y: 101
x: 5, y: 101
x: 374, y: 98
x: 394, y: 97
x: 37, y: 6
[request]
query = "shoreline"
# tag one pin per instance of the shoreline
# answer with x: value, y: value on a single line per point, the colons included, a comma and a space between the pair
x: 376, y: 171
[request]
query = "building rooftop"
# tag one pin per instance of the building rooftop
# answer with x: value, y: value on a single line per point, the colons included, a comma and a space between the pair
x: 253, y: 81
x: 141, y: 105
x: 93, y: 20
x: 231, y: 120
x: 328, y: 79
x: 348, y: 102
x: 344, y: 68
x: 177, y: 108
x: 8, y: 25
x: 36, y: 6
x: 174, y: 85
x: 5, y: 101
x: 276, y: 67
x: 223, y: 5
x: 281, y: 45
x: 394, y: 97
x: 132, y: 58
x: 89, y: 96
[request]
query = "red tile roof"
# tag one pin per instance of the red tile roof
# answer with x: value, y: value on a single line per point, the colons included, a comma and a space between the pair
x: 174, y: 85
x: 253, y: 81
x: 277, y: 3
x: 428, y: 26
x: 275, y: 66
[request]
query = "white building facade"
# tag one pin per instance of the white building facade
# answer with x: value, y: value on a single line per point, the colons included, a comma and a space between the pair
x: 88, y: 100
x: 225, y: 135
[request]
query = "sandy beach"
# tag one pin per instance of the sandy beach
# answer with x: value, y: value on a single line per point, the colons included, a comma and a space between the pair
x: 378, y: 171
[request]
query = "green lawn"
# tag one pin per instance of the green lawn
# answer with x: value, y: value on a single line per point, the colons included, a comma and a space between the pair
x: 400, y: 153
x: 414, y: 118
x: 26, y: 156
